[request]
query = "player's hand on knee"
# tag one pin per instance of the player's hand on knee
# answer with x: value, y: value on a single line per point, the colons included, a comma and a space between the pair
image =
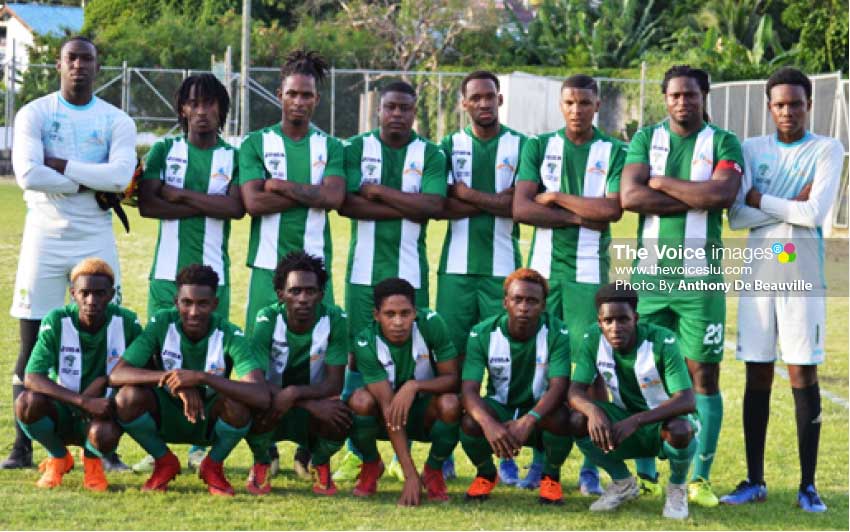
x: 623, y: 429
x: 333, y: 412
x: 400, y: 405
x: 193, y: 406
x: 97, y: 407
x: 283, y: 402
x: 503, y: 443
x: 178, y: 379
x: 411, y: 493
x: 599, y: 429
x: 521, y: 429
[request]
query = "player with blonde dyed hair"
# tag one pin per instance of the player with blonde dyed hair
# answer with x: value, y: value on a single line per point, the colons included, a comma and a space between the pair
x: 80, y: 343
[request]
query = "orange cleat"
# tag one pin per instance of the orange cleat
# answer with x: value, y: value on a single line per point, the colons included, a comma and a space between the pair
x: 94, y: 478
x: 480, y: 488
x: 165, y: 469
x: 212, y: 473
x: 435, y: 484
x: 53, y: 469
x: 550, y: 491
x: 323, y: 484
x: 367, y: 481
x: 259, y: 480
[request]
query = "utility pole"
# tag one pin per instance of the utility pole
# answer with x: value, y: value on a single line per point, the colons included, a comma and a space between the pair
x: 244, y: 122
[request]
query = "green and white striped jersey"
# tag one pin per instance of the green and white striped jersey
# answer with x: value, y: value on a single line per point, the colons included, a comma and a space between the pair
x: 691, y: 158
x: 551, y: 160
x: 483, y: 244
x: 269, y: 154
x: 391, y: 248
x: 640, y: 379
x: 199, y: 239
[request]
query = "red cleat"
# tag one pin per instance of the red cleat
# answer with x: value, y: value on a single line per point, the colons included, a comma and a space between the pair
x: 165, y: 469
x: 435, y: 484
x: 212, y: 473
x: 323, y: 484
x: 367, y: 481
x: 259, y: 480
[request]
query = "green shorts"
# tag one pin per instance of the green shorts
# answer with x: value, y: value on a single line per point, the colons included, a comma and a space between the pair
x: 261, y: 294
x: 575, y: 304
x: 173, y: 425
x: 697, y: 319
x: 72, y: 423
x: 645, y: 442
x: 505, y: 413
x: 161, y: 296
x: 465, y: 300
x: 415, y: 427
x: 360, y: 304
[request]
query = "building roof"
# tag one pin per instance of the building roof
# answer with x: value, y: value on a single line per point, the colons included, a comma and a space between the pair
x: 44, y: 19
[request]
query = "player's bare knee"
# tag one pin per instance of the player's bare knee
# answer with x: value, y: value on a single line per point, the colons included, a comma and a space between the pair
x: 448, y: 408
x: 104, y: 435
x: 363, y: 403
x: 578, y: 424
x: 802, y: 376
x: 235, y: 413
x: 26, y: 406
x: 131, y: 402
x: 470, y: 427
x: 759, y: 376
x: 678, y: 433
x: 557, y: 421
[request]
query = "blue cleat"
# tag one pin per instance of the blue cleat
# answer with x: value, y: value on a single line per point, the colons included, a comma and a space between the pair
x: 809, y: 500
x: 532, y: 478
x: 588, y: 482
x: 746, y: 492
x: 449, y: 468
x: 508, y: 472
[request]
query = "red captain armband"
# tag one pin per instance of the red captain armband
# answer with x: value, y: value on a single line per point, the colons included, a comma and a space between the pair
x: 729, y: 165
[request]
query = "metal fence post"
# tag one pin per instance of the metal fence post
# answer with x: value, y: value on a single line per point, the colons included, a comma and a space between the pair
x: 642, y: 92
x: 125, y: 82
x: 440, y: 126
x: 333, y: 101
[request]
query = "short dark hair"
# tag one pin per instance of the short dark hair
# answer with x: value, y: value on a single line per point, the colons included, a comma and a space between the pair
x: 198, y: 274
x: 394, y: 286
x: 307, y: 63
x: 80, y: 38
x: 789, y: 76
x: 686, y: 71
x: 300, y: 261
x: 478, y: 74
x: 581, y: 81
x: 398, y: 86
x: 206, y: 86
x: 616, y: 293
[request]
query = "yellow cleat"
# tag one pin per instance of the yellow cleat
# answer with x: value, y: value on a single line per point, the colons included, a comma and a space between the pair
x: 700, y: 492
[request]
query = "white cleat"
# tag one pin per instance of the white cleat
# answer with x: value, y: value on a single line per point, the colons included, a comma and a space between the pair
x: 617, y: 493
x: 676, y: 505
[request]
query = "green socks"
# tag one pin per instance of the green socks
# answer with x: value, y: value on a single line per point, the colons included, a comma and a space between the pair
x: 444, y: 439
x: 323, y: 450
x: 556, y: 450
x: 646, y: 467
x: 615, y: 468
x: 680, y: 460
x: 364, y: 436
x: 143, y: 430
x: 259, y: 445
x: 710, y: 411
x: 480, y: 454
x: 226, y: 438
x: 44, y: 432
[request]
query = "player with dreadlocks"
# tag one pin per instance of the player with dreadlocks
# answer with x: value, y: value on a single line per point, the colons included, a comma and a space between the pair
x: 291, y: 175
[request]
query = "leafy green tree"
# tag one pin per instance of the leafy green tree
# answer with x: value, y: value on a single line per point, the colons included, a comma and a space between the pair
x: 823, y: 33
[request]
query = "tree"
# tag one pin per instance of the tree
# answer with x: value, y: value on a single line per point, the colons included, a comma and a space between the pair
x: 823, y: 32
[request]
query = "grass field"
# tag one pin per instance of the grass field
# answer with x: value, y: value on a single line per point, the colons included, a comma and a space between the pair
x: 293, y: 506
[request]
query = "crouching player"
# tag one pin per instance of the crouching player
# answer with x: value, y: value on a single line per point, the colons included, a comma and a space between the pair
x: 526, y: 352
x: 410, y: 368
x: 80, y: 343
x: 652, y: 397
x: 189, y: 396
x: 304, y: 343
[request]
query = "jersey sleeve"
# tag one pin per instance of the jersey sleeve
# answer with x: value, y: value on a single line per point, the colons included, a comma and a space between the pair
x: 615, y: 168
x: 336, y: 158
x: 115, y: 174
x: 676, y: 377
x: 476, y: 357
x: 132, y: 326
x: 729, y: 149
x: 638, y: 151
x: 529, y: 161
x: 148, y: 343
x: 241, y: 352
x: 559, y: 352
x: 28, y: 156
x: 251, y: 166
x: 438, y: 339
x: 337, y: 353
x: 46, y: 349
x: 585, y: 369
x: 261, y: 336
x: 741, y: 215
x: 367, y: 361
x: 352, y: 153
x: 434, y: 173
x: 155, y: 161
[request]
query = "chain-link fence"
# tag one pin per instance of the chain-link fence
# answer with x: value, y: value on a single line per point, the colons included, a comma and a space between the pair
x: 348, y: 103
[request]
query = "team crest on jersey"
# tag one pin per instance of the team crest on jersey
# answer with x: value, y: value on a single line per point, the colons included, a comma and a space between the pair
x: 53, y: 134
x: 220, y: 175
x: 215, y: 369
x: 506, y: 165
x: 703, y: 159
x: 461, y: 163
x: 598, y: 168
x: 112, y: 357
x: 96, y: 137
x: 412, y: 168
x: 607, y: 375
x: 320, y: 161
x: 646, y: 382
x: 422, y: 356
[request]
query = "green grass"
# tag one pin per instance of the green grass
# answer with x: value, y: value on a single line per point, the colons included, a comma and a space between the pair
x: 293, y: 506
